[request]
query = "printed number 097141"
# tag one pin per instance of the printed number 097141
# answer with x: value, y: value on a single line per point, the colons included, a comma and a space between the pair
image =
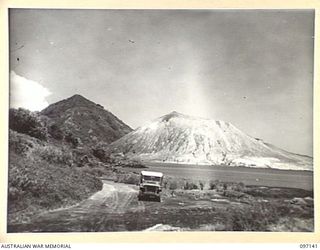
x: 308, y: 245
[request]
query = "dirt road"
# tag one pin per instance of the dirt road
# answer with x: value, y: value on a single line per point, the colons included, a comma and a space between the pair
x: 116, y: 208
x: 113, y: 198
x: 104, y: 208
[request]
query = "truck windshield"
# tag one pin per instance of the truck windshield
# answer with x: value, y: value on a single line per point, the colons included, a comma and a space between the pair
x: 151, y: 178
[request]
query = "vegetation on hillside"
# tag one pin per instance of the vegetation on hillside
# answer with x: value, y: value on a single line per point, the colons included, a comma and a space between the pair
x: 49, y: 165
x: 42, y: 177
x: 89, y: 122
x: 27, y: 122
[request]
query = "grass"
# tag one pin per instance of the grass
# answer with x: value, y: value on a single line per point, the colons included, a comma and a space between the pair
x: 128, y: 178
x: 263, y: 192
x: 243, y: 208
x: 42, y: 177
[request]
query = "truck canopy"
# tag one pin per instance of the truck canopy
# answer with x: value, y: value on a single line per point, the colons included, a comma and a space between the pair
x: 150, y: 173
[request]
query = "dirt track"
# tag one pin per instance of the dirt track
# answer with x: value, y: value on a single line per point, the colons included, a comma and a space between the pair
x: 109, y: 204
x: 113, y: 198
x: 116, y: 208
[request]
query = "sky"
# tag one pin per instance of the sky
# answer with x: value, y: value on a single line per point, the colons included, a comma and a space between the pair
x: 252, y: 68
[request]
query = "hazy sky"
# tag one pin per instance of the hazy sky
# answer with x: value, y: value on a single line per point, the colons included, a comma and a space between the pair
x: 251, y: 68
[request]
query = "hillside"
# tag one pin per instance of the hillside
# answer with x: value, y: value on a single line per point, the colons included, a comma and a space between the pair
x: 86, y: 120
x: 43, y: 176
x: 184, y: 139
x: 55, y: 156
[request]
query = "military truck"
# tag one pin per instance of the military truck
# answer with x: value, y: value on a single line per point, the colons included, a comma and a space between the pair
x: 150, y: 186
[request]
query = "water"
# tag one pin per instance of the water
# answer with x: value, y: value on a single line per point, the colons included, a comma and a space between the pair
x: 249, y: 176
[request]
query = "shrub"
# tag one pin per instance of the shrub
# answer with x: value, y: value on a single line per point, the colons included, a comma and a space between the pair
x: 257, y: 218
x: 173, y: 185
x: 55, y: 132
x: 128, y: 178
x: 134, y: 164
x: 165, y: 184
x: 27, y: 122
x: 55, y: 155
x: 213, y: 184
x: 240, y: 187
x: 190, y: 186
x: 96, y: 171
x: 99, y: 152
x: 223, y: 186
x: 201, y: 184
x: 20, y: 143
x: 71, y: 138
x: 34, y: 186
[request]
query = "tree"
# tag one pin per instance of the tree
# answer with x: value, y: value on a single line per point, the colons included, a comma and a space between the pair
x: 27, y: 122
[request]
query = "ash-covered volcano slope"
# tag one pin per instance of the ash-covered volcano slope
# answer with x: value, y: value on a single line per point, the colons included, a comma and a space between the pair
x: 178, y: 138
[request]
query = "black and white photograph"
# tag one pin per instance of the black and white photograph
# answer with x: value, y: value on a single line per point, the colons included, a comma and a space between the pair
x: 160, y: 120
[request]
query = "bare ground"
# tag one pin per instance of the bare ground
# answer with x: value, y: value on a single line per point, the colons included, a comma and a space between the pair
x: 116, y: 208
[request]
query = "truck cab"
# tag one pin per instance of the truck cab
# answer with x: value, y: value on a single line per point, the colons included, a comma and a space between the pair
x: 150, y: 185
